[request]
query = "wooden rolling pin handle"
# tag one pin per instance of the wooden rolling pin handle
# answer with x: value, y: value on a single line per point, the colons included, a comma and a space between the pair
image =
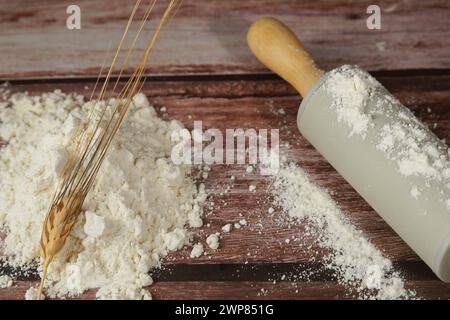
x: 277, y: 47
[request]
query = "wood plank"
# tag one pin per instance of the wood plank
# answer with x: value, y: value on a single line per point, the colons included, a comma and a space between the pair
x: 231, y: 103
x: 215, y: 290
x: 279, y: 290
x: 196, y: 290
x: 243, y: 107
x: 208, y: 37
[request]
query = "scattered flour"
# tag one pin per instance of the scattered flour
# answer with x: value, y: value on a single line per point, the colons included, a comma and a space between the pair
x: 226, y: 228
x: 350, y: 89
x: 281, y: 111
x: 197, y: 250
x: 5, y: 281
x: 381, y: 46
x: 137, y: 211
x: 31, y: 294
x: 415, y: 192
x: 213, y: 241
x: 356, y: 262
x: 243, y: 222
x: 415, y: 150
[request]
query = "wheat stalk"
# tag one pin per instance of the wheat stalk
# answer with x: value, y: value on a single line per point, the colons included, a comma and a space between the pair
x: 91, y: 147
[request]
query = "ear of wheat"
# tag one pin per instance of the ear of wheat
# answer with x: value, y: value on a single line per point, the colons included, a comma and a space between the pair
x: 91, y: 144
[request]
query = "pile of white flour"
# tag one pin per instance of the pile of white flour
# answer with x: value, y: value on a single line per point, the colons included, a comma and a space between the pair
x: 138, y: 210
x: 358, y: 264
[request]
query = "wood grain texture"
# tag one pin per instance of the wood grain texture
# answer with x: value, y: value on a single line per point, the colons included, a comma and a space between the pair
x: 208, y: 37
x: 251, y: 257
x: 259, y: 290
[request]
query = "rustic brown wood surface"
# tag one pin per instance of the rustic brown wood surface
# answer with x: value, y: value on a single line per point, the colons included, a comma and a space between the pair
x: 200, y: 290
x: 251, y: 258
x: 203, y: 70
x: 208, y: 37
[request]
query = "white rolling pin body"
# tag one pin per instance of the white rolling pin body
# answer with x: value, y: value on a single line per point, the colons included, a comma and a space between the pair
x: 393, y: 161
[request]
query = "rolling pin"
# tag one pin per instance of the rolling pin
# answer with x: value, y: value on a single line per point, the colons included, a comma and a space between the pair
x: 391, y: 159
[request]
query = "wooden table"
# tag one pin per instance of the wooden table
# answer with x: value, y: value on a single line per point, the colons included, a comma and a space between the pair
x: 202, y: 70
